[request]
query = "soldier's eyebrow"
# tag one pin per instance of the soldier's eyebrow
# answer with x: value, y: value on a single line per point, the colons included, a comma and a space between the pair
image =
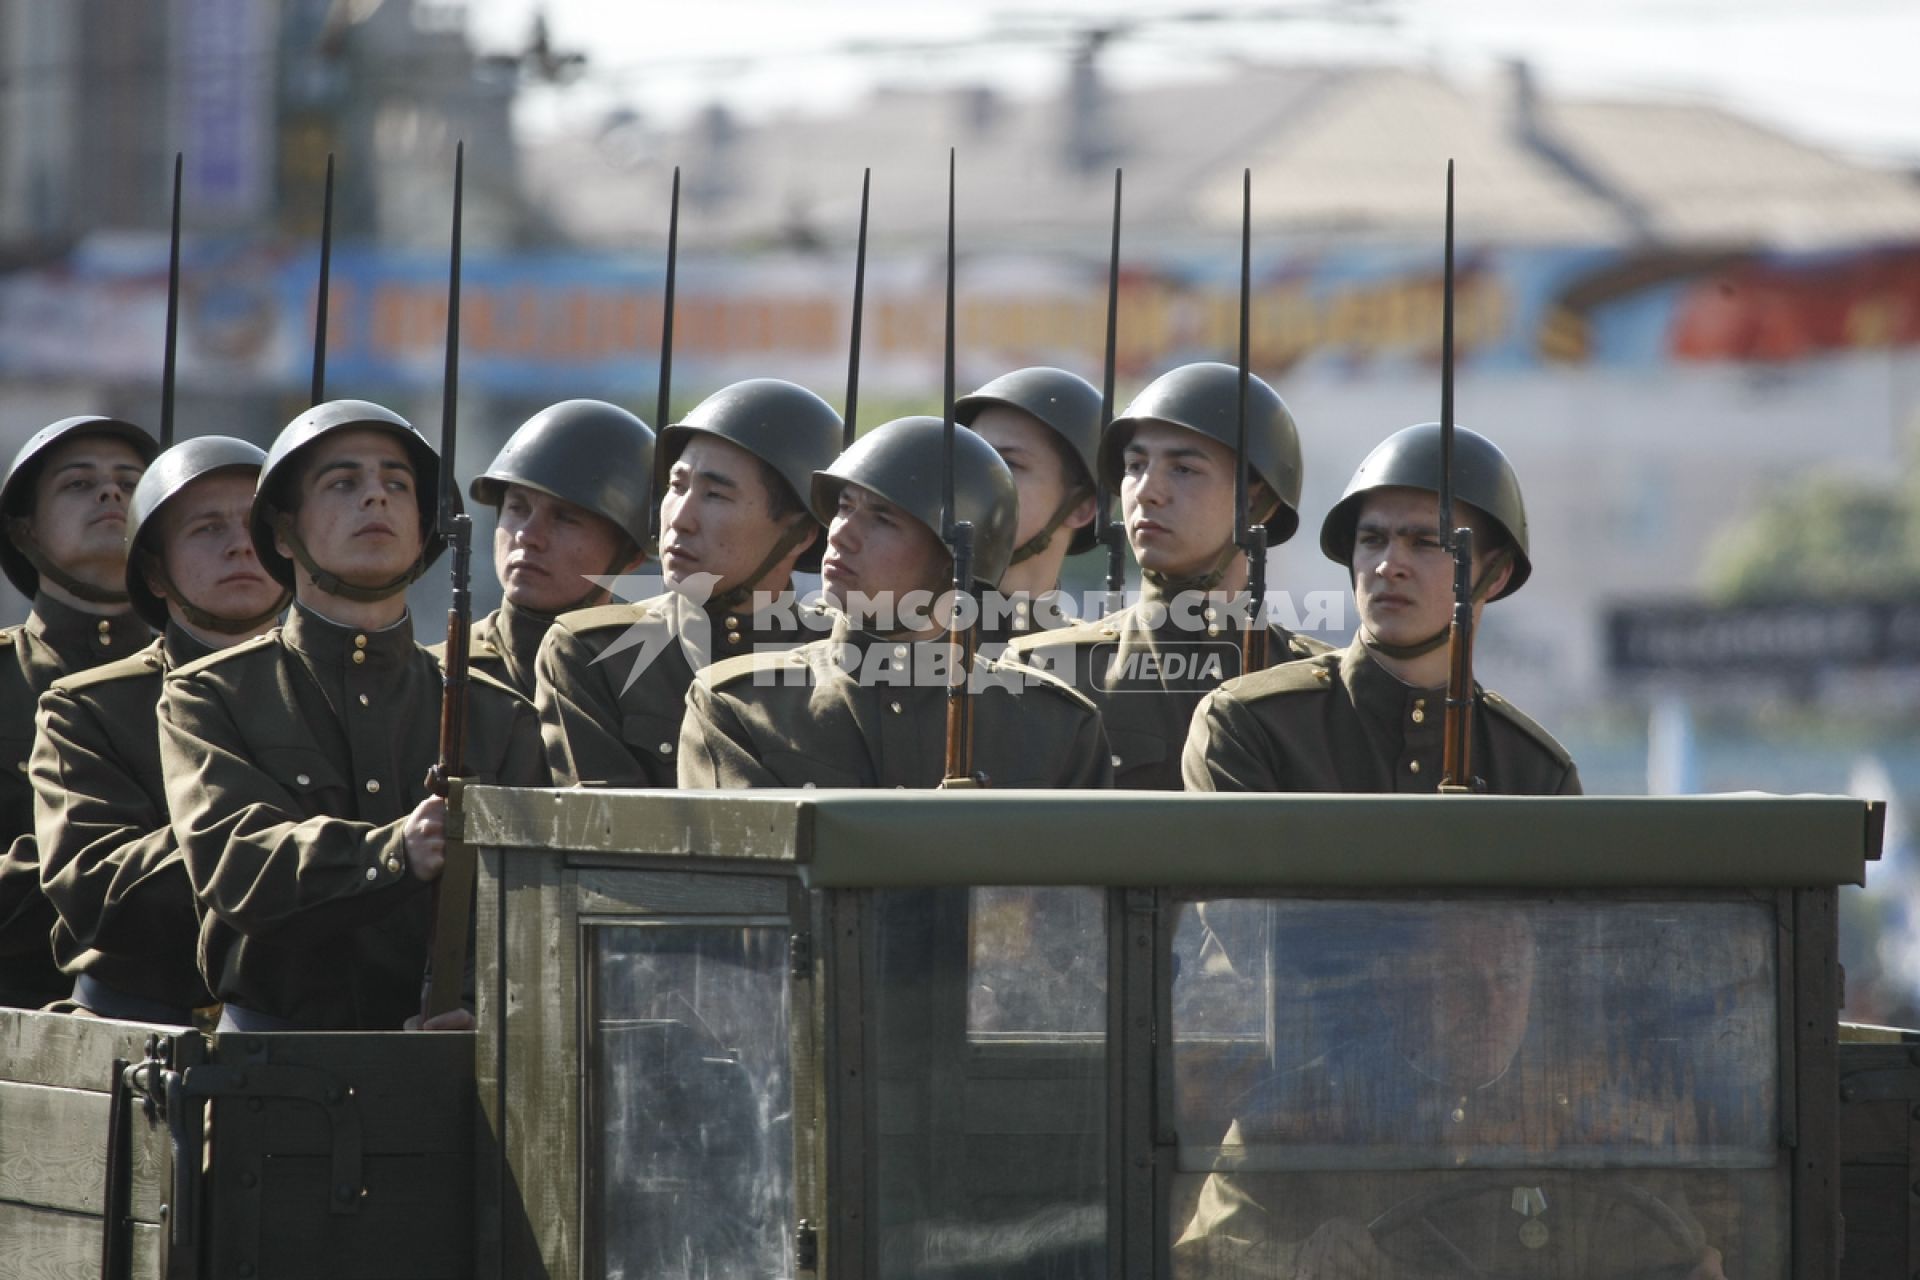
x: 718, y: 480
x: 76, y: 464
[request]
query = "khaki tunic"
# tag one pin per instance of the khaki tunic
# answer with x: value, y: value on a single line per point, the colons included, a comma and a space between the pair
x: 503, y: 645
x: 1342, y: 722
x: 108, y: 861
x: 291, y: 763
x: 800, y: 719
x: 1146, y: 671
x: 613, y: 681
x: 56, y: 640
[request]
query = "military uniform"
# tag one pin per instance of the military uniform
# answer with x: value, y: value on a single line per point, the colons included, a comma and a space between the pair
x: 802, y: 719
x: 1342, y: 722
x: 605, y: 723
x: 503, y: 645
x: 1146, y: 671
x: 109, y: 863
x: 292, y: 762
x: 56, y: 640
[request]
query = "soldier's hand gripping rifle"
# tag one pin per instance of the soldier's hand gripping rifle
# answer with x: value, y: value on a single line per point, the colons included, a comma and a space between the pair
x: 453, y: 891
x: 1112, y: 533
x: 1456, y: 741
x: 962, y: 633
x: 1249, y: 534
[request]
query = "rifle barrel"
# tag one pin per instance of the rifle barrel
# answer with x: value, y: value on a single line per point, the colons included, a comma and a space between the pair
x: 851, y: 430
x: 320, y: 300
x: 173, y: 315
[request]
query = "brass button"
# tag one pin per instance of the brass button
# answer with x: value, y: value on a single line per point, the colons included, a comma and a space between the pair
x: 303, y: 780
x: 733, y: 637
x: 1419, y: 716
x: 895, y: 706
x: 899, y: 651
x: 106, y: 627
x: 809, y: 786
x: 1459, y: 1115
x: 373, y: 786
x: 1414, y: 766
x: 666, y: 748
x: 393, y: 863
x: 1213, y: 630
x: 359, y: 642
x: 1116, y: 762
x: 373, y: 873
x: 732, y: 622
x: 359, y: 656
x: 899, y: 786
x: 365, y: 701
x: 1322, y: 674
x: 1207, y: 613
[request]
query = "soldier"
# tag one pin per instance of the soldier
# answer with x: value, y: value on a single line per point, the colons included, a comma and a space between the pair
x: 128, y: 928
x: 65, y: 504
x: 1045, y: 424
x: 866, y: 707
x: 296, y: 763
x: 1172, y: 457
x: 1370, y: 718
x: 734, y: 527
x: 570, y: 487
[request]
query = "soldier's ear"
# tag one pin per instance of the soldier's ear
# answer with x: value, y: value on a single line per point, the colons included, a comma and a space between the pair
x: 1082, y: 515
x: 19, y: 529
x: 1261, y: 503
x: 154, y: 573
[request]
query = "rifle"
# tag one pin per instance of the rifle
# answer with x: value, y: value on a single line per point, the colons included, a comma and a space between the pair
x: 1252, y: 538
x: 453, y: 892
x: 173, y: 316
x: 1112, y: 532
x: 958, y: 535
x: 849, y: 430
x: 320, y: 298
x: 1456, y: 749
x: 665, y: 396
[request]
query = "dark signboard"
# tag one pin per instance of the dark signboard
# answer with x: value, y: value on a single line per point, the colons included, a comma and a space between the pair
x: 1701, y: 639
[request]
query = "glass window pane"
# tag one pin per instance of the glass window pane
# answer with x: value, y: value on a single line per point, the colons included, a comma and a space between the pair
x: 1582, y: 1084
x: 689, y: 1107
x: 989, y: 1020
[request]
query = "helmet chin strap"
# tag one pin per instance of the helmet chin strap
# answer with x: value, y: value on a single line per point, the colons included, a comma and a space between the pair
x: 1421, y: 648
x: 1169, y: 584
x: 798, y: 529
x: 1042, y: 540
x: 595, y: 593
x: 53, y: 573
x: 199, y: 617
x: 334, y: 584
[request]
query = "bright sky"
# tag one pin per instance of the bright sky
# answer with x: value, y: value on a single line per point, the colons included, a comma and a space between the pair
x: 1838, y: 72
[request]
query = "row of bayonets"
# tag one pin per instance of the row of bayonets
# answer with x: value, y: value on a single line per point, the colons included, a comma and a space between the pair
x: 455, y: 525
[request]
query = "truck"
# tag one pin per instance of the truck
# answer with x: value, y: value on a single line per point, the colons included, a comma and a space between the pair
x: 850, y: 1035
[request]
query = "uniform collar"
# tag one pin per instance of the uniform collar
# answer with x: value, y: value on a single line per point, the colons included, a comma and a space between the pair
x: 520, y: 631
x: 331, y: 644
x: 84, y: 639
x: 178, y: 647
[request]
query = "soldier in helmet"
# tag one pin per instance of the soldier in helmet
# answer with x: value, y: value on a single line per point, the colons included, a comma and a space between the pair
x: 1045, y: 424
x: 1370, y: 718
x: 865, y: 707
x: 734, y: 527
x: 296, y: 763
x: 1172, y: 458
x: 128, y: 929
x: 65, y: 507
x: 570, y: 487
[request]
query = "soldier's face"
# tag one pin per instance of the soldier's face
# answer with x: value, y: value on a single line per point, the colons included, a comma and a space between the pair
x: 208, y: 551
x: 878, y: 552
x: 79, y: 515
x: 1176, y: 496
x: 1461, y: 1005
x: 716, y: 516
x: 358, y: 514
x: 1402, y: 576
x: 545, y: 548
x: 1040, y: 474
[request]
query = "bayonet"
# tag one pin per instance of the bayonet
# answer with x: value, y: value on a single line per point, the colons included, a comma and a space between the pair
x: 859, y: 304
x: 173, y: 316
x: 665, y: 398
x: 320, y: 298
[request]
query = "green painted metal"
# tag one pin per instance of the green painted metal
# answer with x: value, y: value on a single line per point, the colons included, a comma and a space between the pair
x: 894, y: 839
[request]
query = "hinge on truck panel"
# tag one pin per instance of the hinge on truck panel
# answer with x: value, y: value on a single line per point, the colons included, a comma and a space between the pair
x: 800, y: 954
x: 806, y: 1246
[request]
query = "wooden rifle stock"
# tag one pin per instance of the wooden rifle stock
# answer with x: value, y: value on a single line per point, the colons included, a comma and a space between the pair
x: 453, y: 891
